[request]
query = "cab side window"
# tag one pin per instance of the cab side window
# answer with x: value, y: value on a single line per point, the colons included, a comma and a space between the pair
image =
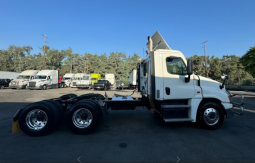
x: 175, y: 66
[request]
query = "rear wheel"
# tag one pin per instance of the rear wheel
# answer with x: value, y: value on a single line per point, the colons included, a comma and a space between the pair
x: 83, y: 117
x: 38, y: 118
x: 210, y: 115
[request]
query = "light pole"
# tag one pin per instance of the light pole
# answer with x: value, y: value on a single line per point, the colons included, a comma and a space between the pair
x: 85, y: 65
x: 205, y: 59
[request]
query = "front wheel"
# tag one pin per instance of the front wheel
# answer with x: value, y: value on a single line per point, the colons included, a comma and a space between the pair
x: 1, y: 87
x: 210, y: 115
x: 44, y: 87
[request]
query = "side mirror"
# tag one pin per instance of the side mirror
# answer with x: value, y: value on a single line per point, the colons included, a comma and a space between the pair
x: 189, y: 70
x: 189, y: 67
x: 224, y: 76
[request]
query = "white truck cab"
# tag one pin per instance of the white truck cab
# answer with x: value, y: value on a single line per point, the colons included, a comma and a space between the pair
x: 175, y: 93
x: 44, y: 79
x: 67, y: 80
x: 23, y: 79
x: 85, y: 82
x: 77, y: 78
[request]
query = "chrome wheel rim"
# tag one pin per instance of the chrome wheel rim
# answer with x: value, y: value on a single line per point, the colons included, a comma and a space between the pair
x: 211, y: 116
x: 36, y: 119
x: 82, y: 118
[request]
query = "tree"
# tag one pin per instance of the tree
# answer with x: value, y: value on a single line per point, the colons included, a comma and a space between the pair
x: 248, y: 60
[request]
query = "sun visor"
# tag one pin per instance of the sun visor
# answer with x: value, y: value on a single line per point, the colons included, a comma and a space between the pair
x: 158, y: 42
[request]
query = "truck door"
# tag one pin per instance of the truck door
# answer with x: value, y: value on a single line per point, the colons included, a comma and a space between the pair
x: 174, y: 70
x: 144, y: 76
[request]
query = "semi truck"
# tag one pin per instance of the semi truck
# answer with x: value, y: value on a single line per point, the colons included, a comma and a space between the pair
x: 22, y: 80
x: 44, y: 79
x: 67, y: 80
x: 77, y: 78
x: 168, y: 87
x: 85, y: 82
x: 111, y: 78
x: 133, y: 79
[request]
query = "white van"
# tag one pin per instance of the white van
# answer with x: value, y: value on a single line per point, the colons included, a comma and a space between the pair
x: 23, y: 79
x: 44, y: 79
x: 85, y: 82
x: 111, y: 78
x: 67, y: 80
x: 77, y: 78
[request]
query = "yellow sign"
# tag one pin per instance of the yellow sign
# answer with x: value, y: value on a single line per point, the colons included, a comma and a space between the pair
x: 15, y: 127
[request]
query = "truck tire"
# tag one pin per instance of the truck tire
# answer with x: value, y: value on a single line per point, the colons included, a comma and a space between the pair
x: 83, y: 117
x: 1, y: 87
x: 38, y: 119
x: 67, y: 96
x: 210, y: 115
x: 44, y: 87
x: 58, y: 107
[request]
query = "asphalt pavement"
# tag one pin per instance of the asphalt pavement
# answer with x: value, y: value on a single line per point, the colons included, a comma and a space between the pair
x: 126, y: 136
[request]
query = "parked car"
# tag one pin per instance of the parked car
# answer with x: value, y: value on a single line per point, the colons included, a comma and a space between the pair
x: 102, y: 84
x: 4, y: 83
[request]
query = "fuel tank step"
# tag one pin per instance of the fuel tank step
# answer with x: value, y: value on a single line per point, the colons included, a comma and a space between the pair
x: 178, y: 120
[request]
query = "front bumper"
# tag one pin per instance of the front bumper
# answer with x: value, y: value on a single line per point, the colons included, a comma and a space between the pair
x: 236, y: 105
x: 18, y: 86
x: 83, y: 86
x: 35, y: 87
x: 98, y: 87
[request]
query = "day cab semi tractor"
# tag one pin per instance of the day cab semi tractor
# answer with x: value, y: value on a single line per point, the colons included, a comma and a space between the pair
x: 168, y: 88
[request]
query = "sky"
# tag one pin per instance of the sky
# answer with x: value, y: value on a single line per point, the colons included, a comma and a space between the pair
x: 105, y: 26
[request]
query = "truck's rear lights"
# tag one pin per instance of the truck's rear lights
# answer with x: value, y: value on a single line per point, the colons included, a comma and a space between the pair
x: 229, y: 99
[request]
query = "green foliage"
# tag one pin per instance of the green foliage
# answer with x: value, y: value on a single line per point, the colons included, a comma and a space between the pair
x: 18, y: 59
x: 248, y: 60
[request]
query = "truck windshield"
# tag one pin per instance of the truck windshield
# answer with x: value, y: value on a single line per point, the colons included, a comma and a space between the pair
x: 66, y: 78
x: 23, y: 77
x: 176, y: 66
x: 40, y: 77
x: 85, y: 78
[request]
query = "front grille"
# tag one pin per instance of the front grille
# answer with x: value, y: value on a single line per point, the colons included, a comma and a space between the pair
x: 74, y: 83
x: 32, y: 84
x: 15, y: 82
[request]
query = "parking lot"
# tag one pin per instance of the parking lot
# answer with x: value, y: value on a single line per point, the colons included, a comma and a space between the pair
x: 126, y: 136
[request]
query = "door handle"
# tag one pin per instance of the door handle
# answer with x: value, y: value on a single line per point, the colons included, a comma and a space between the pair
x: 167, y: 90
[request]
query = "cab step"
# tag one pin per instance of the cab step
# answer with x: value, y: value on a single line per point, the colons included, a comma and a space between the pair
x: 178, y: 120
x: 174, y: 106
